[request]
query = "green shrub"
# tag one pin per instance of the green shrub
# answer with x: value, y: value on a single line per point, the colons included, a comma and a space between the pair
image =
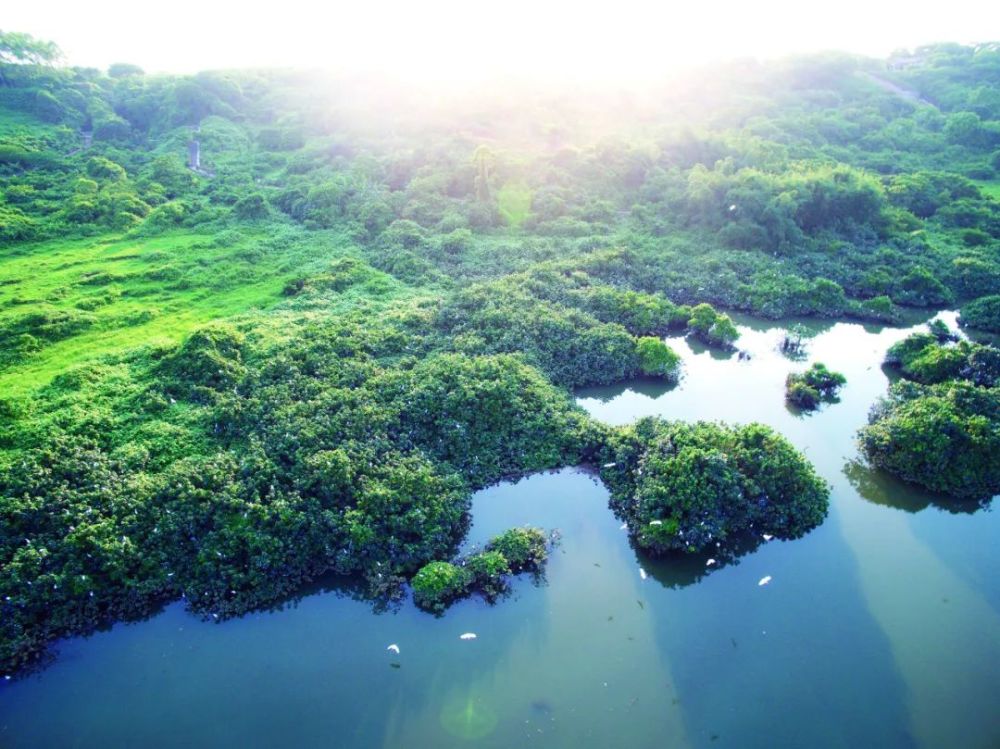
x: 801, y: 395
x: 438, y: 584
x: 489, y: 572
x: 688, y: 487
x: 807, y: 389
x: 982, y: 314
x: 923, y: 358
x: 944, y: 437
x: 657, y: 359
x: 712, y: 327
x: 523, y: 548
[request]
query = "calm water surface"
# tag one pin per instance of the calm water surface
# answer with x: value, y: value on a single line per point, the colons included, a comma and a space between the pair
x: 880, y: 628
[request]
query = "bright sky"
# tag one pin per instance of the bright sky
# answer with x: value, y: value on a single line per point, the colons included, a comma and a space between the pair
x: 462, y: 40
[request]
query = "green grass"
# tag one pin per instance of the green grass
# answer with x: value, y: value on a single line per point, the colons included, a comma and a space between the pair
x: 141, y: 291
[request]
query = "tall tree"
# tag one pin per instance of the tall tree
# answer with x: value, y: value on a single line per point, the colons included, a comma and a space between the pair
x: 18, y: 48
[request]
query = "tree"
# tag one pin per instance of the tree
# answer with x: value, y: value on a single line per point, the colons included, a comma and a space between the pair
x: 484, y: 159
x: 124, y: 70
x: 807, y: 389
x: 691, y: 487
x: 943, y: 437
x: 657, y: 359
x: 983, y: 314
x: 18, y: 48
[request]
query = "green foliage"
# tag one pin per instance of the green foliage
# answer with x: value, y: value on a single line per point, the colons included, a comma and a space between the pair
x: 523, y: 548
x: 809, y: 388
x: 923, y: 358
x: 714, y: 328
x: 437, y: 584
x: 687, y: 487
x: 657, y: 359
x: 489, y: 572
x: 514, y: 203
x: 251, y: 207
x: 208, y: 362
x: 571, y: 346
x: 945, y: 437
x: 18, y: 47
x: 983, y: 314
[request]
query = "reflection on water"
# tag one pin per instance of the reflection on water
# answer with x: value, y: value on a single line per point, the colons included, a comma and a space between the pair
x: 880, y: 488
x: 879, y: 628
x: 648, y: 387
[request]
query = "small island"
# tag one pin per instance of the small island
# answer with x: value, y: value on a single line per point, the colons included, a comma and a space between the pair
x: 437, y: 585
x: 939, y: 427
x: 692, y: 487
x: 808, y: 389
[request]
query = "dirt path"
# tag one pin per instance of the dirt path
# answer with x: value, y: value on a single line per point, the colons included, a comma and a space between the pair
x: 898, y: 90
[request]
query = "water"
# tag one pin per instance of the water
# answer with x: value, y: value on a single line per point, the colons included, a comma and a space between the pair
x: 880, y: 628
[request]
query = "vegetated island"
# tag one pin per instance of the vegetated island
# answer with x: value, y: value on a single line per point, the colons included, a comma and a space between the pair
x: 808, y: 389
x: 940, y: 426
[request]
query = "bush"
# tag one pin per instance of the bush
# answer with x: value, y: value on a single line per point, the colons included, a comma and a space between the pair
x: 712, y: 327
x: 923, y: 358
x: 489, y: 572
x: 523, y: 548
x: 800, y: 394
x: 944, y: 437
x: 657, y: 359
x: 438, y: 584
x: 251, y: 207
x: 688, y: 487
x: 209, y: 361
x: 982, y: 314
x: 807, y: 389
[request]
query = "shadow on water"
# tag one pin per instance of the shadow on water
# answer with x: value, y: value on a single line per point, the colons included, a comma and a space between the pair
x: 381, y: 600
x: 805, y: 413
x: 697, y: 347
x: 651, y: 387
x: 49, y: 655
x: 809, y: 327
x: 880, y: 488
x: 678, y: 571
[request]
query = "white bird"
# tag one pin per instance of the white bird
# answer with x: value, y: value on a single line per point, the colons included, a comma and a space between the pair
x: 764, y: 580
x: 467, y: 636
x: 394, y: 648
x: 610, y: 465
x: 656, y: 522
x: 623, y: 527
x: 768, y: 536
x: 642, y: 573
x: 710, y: 562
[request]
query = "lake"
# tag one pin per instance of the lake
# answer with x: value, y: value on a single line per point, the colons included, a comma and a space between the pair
x: 879, y: 628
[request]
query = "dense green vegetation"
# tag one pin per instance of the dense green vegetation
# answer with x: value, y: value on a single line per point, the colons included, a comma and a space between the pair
x: 983, y: 314
x: 697, y: 487
x: 924, y: 358
x: 304, y: 354
x: 439, y: 584
x: 940, y: 428
x: 945, y: 437
x: 810, y: 388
